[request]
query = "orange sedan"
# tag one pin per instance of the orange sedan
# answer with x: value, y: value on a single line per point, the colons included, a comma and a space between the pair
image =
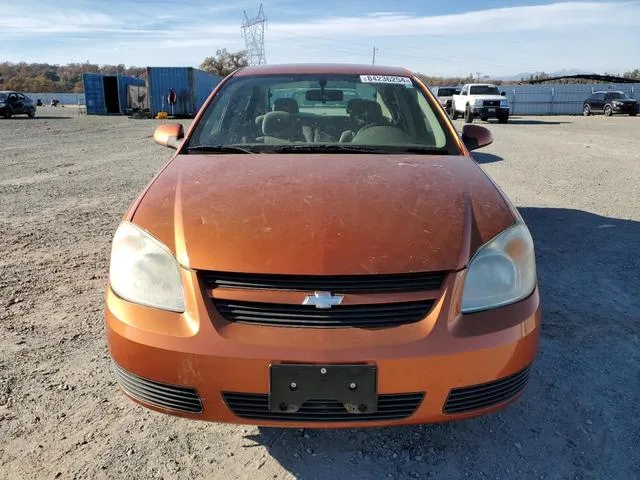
x: 322, y: 251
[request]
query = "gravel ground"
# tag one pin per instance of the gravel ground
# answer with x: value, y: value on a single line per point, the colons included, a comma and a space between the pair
x: 66, y: 180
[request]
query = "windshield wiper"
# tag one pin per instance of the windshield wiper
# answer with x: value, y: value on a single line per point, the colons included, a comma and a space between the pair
x: 217, y: 149
x: 383, y: 149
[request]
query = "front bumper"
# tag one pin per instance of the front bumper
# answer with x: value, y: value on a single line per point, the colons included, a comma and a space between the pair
x: 626, y: 109
x: 198, y: 365
x: 489, y: 112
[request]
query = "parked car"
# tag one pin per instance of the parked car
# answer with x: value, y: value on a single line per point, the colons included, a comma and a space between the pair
x: 480, y: 100
x: 445, y: 96
x: 350, y: 265
x: 610, y: 103
x: 16, y: 103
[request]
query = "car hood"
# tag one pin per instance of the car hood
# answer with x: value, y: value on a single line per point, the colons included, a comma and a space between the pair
x: 625, y: 100
x: 489, y: 97
x: 323, y: 214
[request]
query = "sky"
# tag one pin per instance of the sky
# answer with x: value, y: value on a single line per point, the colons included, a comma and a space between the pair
x: 498, y: 38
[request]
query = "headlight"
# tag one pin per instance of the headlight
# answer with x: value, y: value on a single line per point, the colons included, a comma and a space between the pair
x: 478, y: 102
x: 503, y: 271
x: 504, y: 103
x: 617, y: 104
x: 144, y: 271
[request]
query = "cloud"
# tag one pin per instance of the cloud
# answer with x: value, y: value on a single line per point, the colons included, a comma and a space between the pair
x: 521, y: 18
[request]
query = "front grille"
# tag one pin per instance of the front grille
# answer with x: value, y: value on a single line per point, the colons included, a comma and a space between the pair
x: 173, y: 397
x: 491, y: 103
x: 341, y: 316
x: 256, y: 407
x: 391, y: 283
x: 466, y: 399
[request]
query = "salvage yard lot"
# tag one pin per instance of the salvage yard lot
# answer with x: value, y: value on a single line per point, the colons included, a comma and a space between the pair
x: 66, y: 180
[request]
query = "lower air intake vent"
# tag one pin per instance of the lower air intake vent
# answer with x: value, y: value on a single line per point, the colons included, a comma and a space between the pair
x: 466, y: 399
x: 256, y: 407
x: 173, y: 397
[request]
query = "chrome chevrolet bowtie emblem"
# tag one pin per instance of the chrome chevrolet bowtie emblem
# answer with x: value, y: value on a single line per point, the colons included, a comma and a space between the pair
x: 323, y: 300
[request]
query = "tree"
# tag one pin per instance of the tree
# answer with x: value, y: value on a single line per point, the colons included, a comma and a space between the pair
x: 225, y: 62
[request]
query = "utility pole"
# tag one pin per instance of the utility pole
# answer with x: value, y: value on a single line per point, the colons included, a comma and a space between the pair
x: 375, y: 49
x: 478, y: 74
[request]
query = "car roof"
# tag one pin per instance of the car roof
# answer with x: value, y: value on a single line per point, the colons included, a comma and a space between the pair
x: 608, y: 91
x: 8, y: 91
x: 319, y: 68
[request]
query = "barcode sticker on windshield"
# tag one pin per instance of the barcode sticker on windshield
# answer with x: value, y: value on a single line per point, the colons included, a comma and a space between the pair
x: 385, y: 79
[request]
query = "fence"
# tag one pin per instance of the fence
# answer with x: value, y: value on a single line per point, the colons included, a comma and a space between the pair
x: 65, y: 98
x: 558, y: 99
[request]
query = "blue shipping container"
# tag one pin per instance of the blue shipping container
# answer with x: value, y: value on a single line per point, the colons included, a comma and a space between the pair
x: 94, y: 94
x: 107, y: 94
x: 192, y: 87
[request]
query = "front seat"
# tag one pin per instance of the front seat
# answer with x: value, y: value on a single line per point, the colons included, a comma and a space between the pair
x: 288, y: 105
x: 362, y: 112
x: 278, y: 127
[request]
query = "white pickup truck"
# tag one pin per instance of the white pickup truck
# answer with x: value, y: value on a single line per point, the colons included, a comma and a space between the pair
x: 480, y: 100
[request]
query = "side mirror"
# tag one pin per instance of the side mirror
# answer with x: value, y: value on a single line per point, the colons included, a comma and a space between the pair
x: 169, y: 135
x: 504, y: 94
x: 475, y: 137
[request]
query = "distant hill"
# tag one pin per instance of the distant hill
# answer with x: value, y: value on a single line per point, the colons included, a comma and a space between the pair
x: 559, y: 73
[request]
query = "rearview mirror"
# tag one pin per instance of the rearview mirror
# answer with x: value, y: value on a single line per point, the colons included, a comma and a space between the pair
x: 169, y: 135
x: 324, y: 96
x: 475, y: 137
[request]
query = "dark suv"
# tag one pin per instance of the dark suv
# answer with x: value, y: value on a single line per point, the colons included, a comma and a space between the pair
x: 445, y: 96
x: 610, y: 103
x: 16, y: 103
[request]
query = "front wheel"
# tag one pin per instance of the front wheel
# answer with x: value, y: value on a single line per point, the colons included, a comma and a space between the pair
x: 586, y: 111
x: 484, y: 119
x: 7, y: 112
x: 633, y: 114
x: 468, y: 116
x: 608, y: 111
x: 31, y: 112
x: 503, y: 118
x: 454, y: 112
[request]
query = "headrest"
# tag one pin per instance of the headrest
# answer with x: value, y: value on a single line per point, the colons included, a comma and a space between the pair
x: 276, y: 124
x: 367, y: 110
x: 286, y: 105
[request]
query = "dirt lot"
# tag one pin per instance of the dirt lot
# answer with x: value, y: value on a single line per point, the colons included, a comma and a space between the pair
x: 66, y: 180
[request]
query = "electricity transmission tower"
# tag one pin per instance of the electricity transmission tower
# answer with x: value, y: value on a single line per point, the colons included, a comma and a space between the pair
x: 253, y: 33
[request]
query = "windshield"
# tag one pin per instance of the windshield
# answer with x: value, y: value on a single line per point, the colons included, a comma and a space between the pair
x: 448, y: 92
x: 616, y: 96
x: 484, y: 90
x: 324, y: 113
x: 3, y: 97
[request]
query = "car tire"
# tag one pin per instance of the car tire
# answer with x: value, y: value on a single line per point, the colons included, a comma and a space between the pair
x: 7, y: 112
x: 454, y: 113
x: 586, y: 111
x: 608, y: 111
x: 31, y: 112
x: 503, y: 118
x: 468, y: 116
x: 633, y: 114
x: 484, y: 119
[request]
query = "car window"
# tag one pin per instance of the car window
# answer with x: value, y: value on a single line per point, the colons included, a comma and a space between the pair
x: 3, y: 97
x: 20, y: 96
x: 599, y: 97
x: 387, y: 114
x: 616, y: 96
x: 483, y: 90
x: 464, y: 91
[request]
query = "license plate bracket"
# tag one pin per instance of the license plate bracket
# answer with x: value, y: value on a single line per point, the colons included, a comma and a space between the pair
x: 354, y: 386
